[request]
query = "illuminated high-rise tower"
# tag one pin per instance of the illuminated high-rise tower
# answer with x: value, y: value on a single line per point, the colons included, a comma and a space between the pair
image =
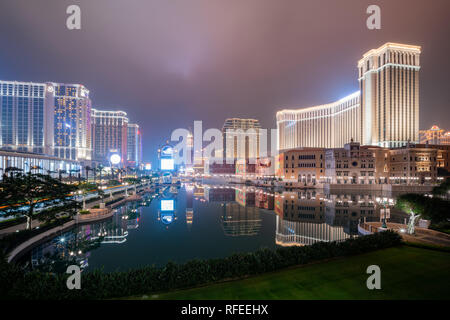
x: 72, y: 121
x: 109, y: 129
x: 389, y: 85
x: 26, y: 117
x: 384, y: 112
x: 49, y: 118
x: 134, y: 145
x: 241, y: 138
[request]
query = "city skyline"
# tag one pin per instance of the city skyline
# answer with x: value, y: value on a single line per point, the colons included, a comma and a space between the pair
x: 210, y: 74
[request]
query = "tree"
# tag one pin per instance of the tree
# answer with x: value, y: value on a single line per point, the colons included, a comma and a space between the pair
x: 87, y: 169
x: 435, y: 209
x: 86, y: 188
x: 22, y: 192
x: 442, y: 189
x: 100, y: 169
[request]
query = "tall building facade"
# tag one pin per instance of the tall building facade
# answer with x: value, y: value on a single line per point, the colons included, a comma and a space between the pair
x: 241, y: 138
x: 134, y: 145
x: 385, y: 112
x: 325, y: 126
x: 110, y: 130
x: 389, y: 85
x: 46, y: 118
x: 72, y: 121
x: 25, y: 117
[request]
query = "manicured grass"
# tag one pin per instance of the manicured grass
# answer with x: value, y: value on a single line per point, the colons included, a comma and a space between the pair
x: 406, y: 273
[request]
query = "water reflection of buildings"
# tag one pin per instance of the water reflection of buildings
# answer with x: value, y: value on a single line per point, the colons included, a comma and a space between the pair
x: 241, y: 217
x: 111, y: 231
x: 307, y: 216
x: 264, y: 200
x: 75, y: 245
x: 219, y: 194
x: 167, y: 213
x: 305, y: 233
x: 189, y: 205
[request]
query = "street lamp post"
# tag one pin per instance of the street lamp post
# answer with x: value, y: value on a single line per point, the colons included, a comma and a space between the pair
x: 383, y: 201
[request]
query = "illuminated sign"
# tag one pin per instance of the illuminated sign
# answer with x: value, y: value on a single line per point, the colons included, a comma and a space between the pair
x: 148, y: 166
x: 240, y: 197
x: 167, y: 164
x: 115, y: 158
x: 167, y: 205
x: 167, y: 218
x: 167, y: 151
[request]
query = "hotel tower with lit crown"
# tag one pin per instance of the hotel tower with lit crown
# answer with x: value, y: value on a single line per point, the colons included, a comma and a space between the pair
x: 385, y: 112
x: 389, y: 85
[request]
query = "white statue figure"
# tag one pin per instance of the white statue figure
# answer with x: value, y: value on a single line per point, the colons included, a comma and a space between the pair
x: 412, y: 221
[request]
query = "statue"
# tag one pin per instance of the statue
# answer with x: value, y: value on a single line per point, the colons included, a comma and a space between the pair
x: 412, y: 222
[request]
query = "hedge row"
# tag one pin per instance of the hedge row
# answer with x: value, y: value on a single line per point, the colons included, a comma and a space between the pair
x: 100, y: 285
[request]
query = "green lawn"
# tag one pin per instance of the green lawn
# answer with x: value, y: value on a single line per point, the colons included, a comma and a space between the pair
x: 406, y: 273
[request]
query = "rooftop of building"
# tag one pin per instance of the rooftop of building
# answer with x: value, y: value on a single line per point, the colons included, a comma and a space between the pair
x: 393, y: 46
x: 321, y: 107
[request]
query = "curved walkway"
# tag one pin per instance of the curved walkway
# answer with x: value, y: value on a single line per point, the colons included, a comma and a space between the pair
x: 426, y: 236
x: 79, y: 219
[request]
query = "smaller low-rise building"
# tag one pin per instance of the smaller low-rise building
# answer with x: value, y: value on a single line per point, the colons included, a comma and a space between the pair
x: 356, y: 164
x: 413, y: 165
x: 443, y: 156
x: 265, y: 167
x: 39, y: 163
x: 363, y: 165
x: 305, y: 166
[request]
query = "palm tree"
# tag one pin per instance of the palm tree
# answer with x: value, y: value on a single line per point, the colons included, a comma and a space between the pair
x: 60, y: 172
x: 49, y: 172
x: 87, y: 168
x: 12, y: 170
x: 100, y: 168
x: 73, y: 171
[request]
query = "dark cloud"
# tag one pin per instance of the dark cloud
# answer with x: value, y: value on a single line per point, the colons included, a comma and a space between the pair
x: 170, y: 62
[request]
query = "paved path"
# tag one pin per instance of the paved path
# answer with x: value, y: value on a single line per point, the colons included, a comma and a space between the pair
x: 78, y: 219
x: 426, y: 236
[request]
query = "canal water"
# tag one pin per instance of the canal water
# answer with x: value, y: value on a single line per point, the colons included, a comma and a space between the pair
x: 207, y: 221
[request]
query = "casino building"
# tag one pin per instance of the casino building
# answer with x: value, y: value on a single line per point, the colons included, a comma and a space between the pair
x: 110, y: 130
x: 46, y: 118
x: 384, y: 112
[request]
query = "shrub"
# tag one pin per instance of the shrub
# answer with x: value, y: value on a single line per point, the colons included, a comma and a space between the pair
x: 100, y: 285
x: 435, y: 209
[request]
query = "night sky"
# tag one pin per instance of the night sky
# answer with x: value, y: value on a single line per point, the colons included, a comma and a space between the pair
x: 170, y: 62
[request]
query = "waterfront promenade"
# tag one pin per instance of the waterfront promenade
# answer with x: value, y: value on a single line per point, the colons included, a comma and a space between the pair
x: 95, y: 215
x: 422, y: 235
